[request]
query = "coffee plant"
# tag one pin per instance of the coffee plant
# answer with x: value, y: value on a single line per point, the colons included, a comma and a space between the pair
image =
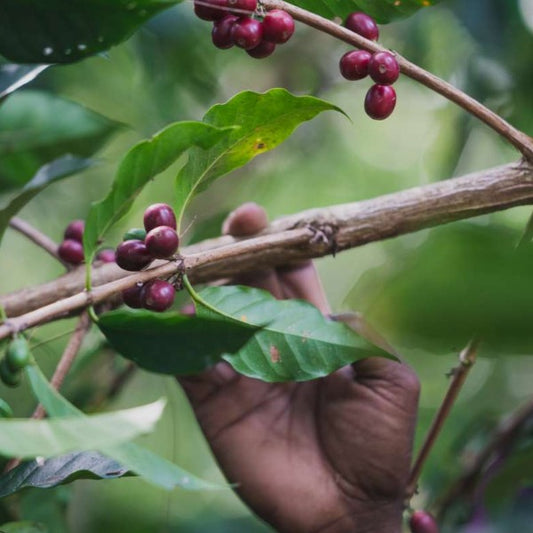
x: 448, y: 272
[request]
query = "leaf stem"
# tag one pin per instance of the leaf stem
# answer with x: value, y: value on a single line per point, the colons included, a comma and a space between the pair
x: 467, y: 358
x: 520, y: 140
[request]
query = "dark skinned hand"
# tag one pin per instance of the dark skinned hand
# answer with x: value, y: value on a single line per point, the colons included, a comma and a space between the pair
x: 330, y: 455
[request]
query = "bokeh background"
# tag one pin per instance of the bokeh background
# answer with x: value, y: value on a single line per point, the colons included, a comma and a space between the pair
x: 427, y: 292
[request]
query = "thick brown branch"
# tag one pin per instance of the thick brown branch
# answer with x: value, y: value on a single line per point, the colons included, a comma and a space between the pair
x: 309, y: 234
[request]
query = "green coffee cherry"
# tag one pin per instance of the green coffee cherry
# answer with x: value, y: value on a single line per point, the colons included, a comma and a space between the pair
x: 5, y: 409
x: 18, y: 354
x: 11, y: 379
x: 134, y: 234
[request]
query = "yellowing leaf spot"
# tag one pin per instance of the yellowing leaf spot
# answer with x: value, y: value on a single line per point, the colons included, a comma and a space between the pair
x: 397, y: 3
x: 243, y: 318
x: 274, y: 355
x: 259, y: 145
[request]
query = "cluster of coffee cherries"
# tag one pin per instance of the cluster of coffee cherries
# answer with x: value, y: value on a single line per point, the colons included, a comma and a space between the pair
x: 158, y: 240
x: 423, y: 522
x: 382, y: 67
x: 17, y: 357
x: 71, y: 249
x: 234, y: 24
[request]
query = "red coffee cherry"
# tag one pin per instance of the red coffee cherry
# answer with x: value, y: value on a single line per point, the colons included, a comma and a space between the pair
x: 211, y: 9
x: 383, y: 68
x: 278, y: 26
x: 106, y: 256
x: 221, y: 32
x: 159, y: 215
x: 363, y: 24
x: 423, y: 522
x: 162, y: 242
x: 132, y: 296
x: 380, y: 101
x: 263, y: 49
x: 354, y: 65
x: 71, y: 251
x: 75, y: 230
x: 246, y: 33
x: 158, y: 295
x: 132, y: 255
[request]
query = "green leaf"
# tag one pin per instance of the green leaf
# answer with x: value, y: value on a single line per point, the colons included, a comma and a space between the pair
x: 59, y: 471
x: 47, y: 438
x: 23, y: 527
x: 172, y: 343
x: 143, y: 462
x: 13, y: 76
x: 141, y: 164
x: 63, y: 31
x: 38, y: 127
x: 297, y: 343
x: 382, y: 11
x: 265, y: 121
x: 56, y: 170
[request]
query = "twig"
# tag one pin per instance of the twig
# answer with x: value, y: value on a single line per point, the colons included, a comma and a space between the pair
x: 517, y: 138
x: 467, y: 359
x: 34, y: 235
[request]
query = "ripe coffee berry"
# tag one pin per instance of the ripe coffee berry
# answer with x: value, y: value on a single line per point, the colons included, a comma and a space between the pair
x: 106, y: 256
x: 159, y: 215
x: 278, y: 26
x: 158, y: 295
x: 18, y: 355
x: 240, y: 7
x: 363, y: 24
x: 263, y: 49
x: 221, y: 33
x: 383, y: 68
x: 423, y: 522
x: 246, y: 33
x: 71, y: 251
x: 132, y: 255
x: 75, y: 230
x: 380, y: 101
x: 132, y: 296
x: 162, y: 242
x: 354, y: 65
x: 211, y: 9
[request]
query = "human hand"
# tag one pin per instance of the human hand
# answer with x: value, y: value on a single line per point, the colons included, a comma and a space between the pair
x: 330, y: 455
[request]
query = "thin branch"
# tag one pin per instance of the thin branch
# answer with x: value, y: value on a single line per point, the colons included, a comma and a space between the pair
x: 467, y: 358
x: 34, y: 235
x: 313, y: 233
x: 517, y: 138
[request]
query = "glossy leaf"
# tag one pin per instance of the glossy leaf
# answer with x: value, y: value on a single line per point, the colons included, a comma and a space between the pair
x: 134, y: 458
x: 59, y: 471
x: 381, y: 10
x: 23, y: 527
x: 56, y: 170
x: 141, y: 164
x: 172, y: 343
x: 27, y: 438
x: 37, y: 127
x: 264, y: 120
x: 62, y: 31
x: 13, y: 76
x: 297, y: 343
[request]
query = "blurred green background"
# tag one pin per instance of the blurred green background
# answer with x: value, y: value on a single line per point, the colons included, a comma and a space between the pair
x: 428, y: 292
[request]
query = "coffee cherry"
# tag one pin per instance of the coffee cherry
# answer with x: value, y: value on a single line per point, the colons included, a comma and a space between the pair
x: 138, y: 234
x: 18, y: 355
x: 211, y: 9
x: 221, y: 33
x: 132, y: 296
x: 246, y: 33
x: 107, y: 255
x: 11, y: 379
x: 5, y: 409
x: 354, y: 64
x: 363, y: 24
x: 162, y: 242
x: 132, y: 255
x: 383, y: 68
x: 240, y: 7
x: 159, y: 215
x: 263, y: 49
x: 71, y: 251
x: 158, y: 295
x: 380, y: 101
x: 75, y: 230
x: 423, y: 522
x: 278, y: 26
